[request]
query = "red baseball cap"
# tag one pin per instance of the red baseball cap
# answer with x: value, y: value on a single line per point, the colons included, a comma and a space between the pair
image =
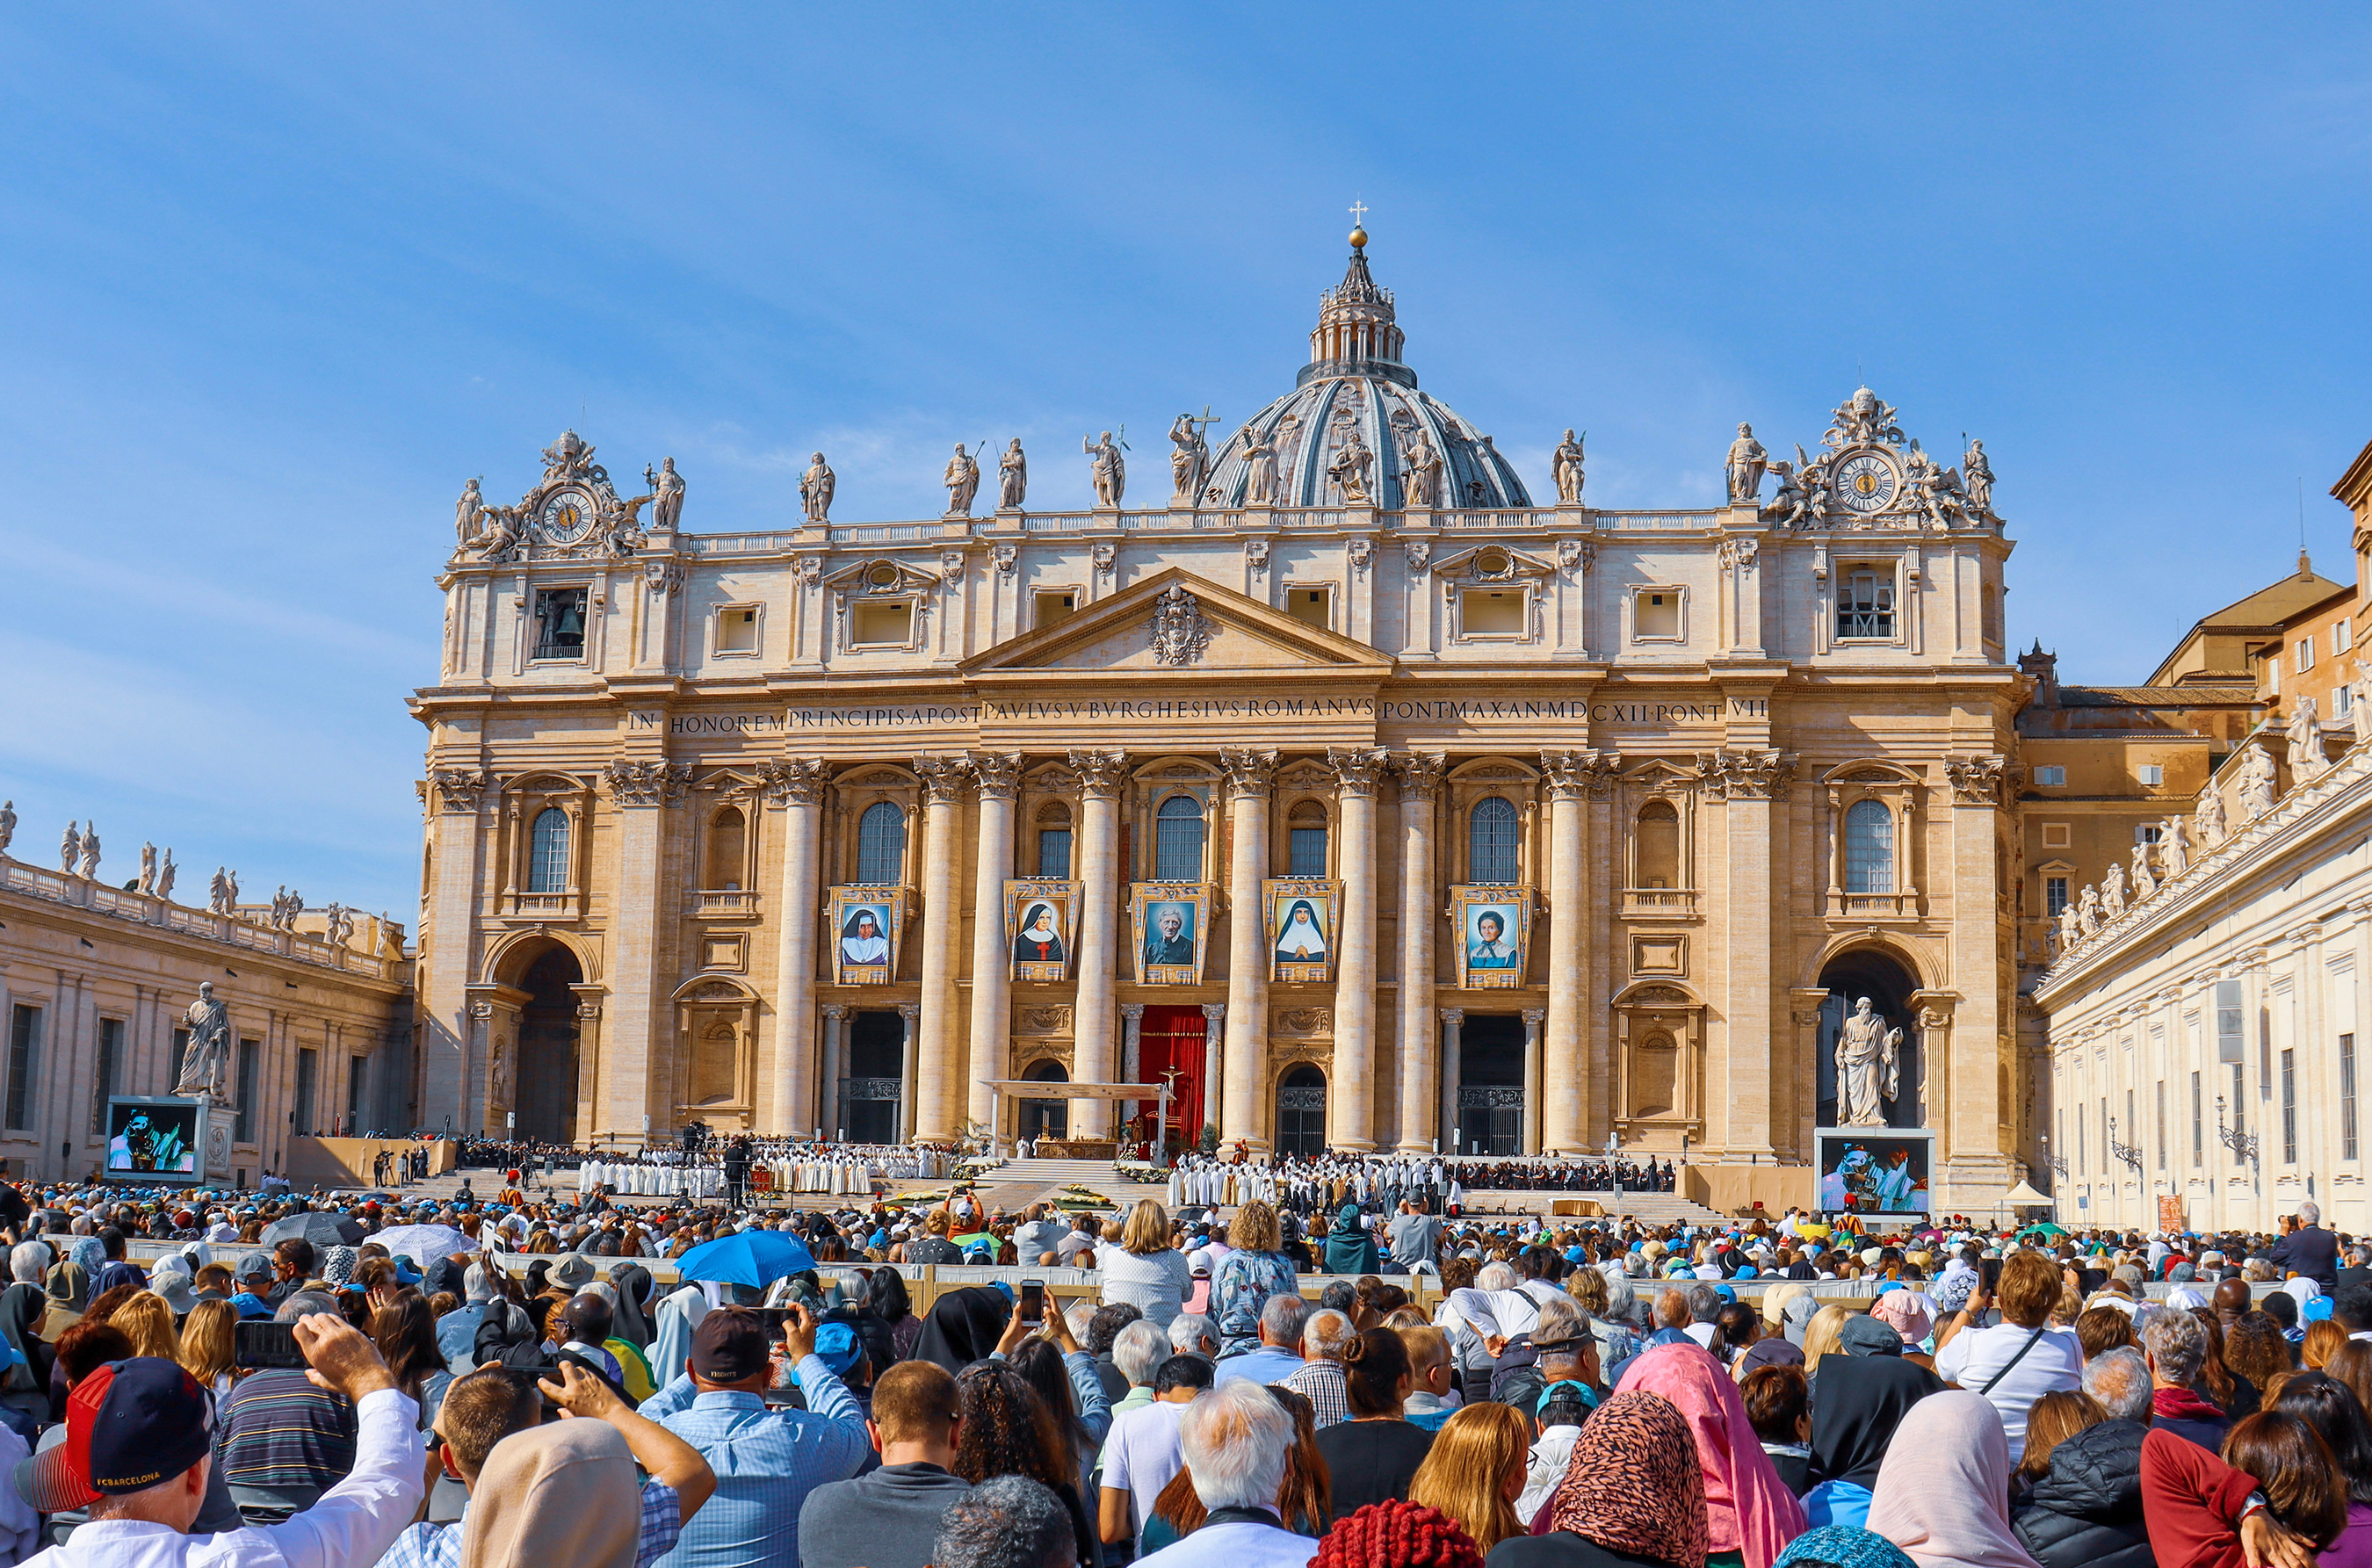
x: 130, y: 1425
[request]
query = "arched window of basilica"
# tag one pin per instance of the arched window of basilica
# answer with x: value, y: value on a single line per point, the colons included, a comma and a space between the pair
x: 727, y: 845
x: 1659, y: 845
x: 1305, y: 841
x: 1177, y: 840
x: 881, y: 843
x: 1869, y: 848
x: 1491, y: 841
x: 547, y: 861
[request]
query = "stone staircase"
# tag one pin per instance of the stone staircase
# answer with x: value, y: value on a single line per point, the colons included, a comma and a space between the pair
x: 1017, y: 1183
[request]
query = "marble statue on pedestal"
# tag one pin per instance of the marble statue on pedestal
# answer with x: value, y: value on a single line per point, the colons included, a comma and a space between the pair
x: 8, y: 823
x: 1868, y: 1068
x: 1746, y: 465
x: 1420, y: 472
x: 1190, y: 457
x: 962, y: 480
x: 90, y: 851
x: 1977, y: 476
x: 1012, y: 477
x: 1109, y: 469
x: 2145, y: 879
x: 70, y: 848
x: 2209, y: 817
x: 164, y: 875
x: 815, y: 490
x: 147, y: 883
x: 667, y: 488
x: 2256, y: 783
x: 2175, y: 844
x: 1565, y: 465
x: 205, y: 1064
x: 2306, y: 741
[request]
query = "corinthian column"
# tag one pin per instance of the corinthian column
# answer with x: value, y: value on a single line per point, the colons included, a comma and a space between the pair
x: 1102, y: 775
x: 939, y: 1061
x: 798, y: 784
x: 1351, y: 1107
x: 1571, y: 775
x: 999, y: 774
x: 1251, y: 775
x: 1420, y: 776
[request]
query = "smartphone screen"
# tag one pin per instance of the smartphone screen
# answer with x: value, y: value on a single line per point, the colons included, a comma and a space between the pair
x: 1989, y: 1270
x: 262, y: 1344
x: 775, y: 1318
x: 1033, y: 1301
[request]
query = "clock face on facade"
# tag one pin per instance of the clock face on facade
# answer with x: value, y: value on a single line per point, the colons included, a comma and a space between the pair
x: 1864, y: 482
x: 567, y: 517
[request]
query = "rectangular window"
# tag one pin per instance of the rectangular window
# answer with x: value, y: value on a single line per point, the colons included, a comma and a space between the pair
x: 308, y: 1071
x: 559, y: 623
x: 2289, y: 1108
x: 243, y: 1119
x: 24, y: 1059
x: 881, y: 625
x: 2347, y: 1096
x: 2150, y: 774
x: 2081, y: 1163
x: 2051, y: 778
x: 357, y: 1075
x: 2161, y: 1124
x: 1053, y: 852
x: 1866, y: 603
x: 1307, y: 851
x: 2054, y: 896
x: 2198, y: 1127
x: 737, y: 629
x: 2343, y: 636
x: 2229, y: 1039
x: 1053, y: 607
x: 2304, y: 653
x: 2148, y: 832
x: 2339, y: 699
x: 2106, y: 1163
x: 111, y: 1052
x: 1315, y: 607
x: 1497, y: 613
x: 1656, y: 612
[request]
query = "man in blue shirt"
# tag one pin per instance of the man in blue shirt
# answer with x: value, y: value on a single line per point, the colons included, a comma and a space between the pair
x: 766, y: 1461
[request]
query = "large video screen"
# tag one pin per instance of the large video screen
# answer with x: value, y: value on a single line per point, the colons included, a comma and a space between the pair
x: 1861, y: 1174
x: 149, y: 1138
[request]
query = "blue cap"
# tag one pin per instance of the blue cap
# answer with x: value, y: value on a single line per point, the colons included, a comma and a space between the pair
x: 836, y: 1347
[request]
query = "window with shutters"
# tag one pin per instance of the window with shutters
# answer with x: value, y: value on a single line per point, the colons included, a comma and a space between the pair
x: 1866, y: 604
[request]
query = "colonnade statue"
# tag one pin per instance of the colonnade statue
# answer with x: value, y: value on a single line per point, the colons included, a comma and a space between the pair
x: 205, y: 1064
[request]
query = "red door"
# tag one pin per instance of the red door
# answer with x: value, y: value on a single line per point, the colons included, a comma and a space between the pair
x: 1172, y: 1039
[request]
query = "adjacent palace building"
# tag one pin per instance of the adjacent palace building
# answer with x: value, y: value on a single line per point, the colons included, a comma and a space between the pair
x: 1339, y: 783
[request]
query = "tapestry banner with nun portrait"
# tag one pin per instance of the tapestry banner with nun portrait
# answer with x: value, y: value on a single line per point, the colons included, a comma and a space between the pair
x: 1493, y: 924
x: 1042, y: 922
x: 1172, y: 931
x: 1301, y: 929
x: 867, y: 923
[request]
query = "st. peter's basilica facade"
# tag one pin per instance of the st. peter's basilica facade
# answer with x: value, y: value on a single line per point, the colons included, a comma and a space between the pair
x: 1339, y: 785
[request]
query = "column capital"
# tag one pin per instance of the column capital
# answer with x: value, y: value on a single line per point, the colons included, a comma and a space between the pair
x: 1213, y: 1011
x: 1132, y: 1011
x: 910, y: 1011
x: 1101, y: 773
x: 943, y: 778
x: 1358, y: 769
x: 998, y: 773
x: 1453, y: 1014
x: 794, y: 781
x: 1249, y: 772
x: 835, y: 1011
x: 1574, y: 776
x: 1420, y: 773
x: 1535, y: 1017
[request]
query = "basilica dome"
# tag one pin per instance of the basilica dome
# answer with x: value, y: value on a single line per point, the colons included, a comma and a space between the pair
x: 1355, y: 393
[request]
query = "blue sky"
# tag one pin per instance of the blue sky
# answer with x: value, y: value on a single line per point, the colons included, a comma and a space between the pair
x: 276, y: 281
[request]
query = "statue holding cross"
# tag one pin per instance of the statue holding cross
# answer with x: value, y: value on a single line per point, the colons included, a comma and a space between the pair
x: 1190, y: 462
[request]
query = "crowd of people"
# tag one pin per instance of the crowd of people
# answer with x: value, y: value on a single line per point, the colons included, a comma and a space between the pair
x: 503, y: 1384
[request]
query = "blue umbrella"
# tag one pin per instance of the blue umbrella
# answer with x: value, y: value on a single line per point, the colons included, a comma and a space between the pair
x: 752, y: 1258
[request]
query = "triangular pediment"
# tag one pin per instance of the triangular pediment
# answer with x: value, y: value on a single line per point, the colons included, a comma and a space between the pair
x: 1149, y: 630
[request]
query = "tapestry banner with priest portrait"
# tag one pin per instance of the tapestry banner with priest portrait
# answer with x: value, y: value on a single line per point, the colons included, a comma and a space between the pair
x: 1171, y: 926
x: 1042, y: 922
x: 1493, y: 924
x: 866, y: 924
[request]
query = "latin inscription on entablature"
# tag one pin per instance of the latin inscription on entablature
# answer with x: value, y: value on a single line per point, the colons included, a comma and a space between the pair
x: 1065, y: 712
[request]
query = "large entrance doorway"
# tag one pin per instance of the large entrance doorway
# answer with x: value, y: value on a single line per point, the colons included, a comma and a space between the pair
x: 1301, y: 1112
x: 1045, y: 1118
x: 545, y: 1099
x: 1169, y: 1048
x: 1849, y: 977
x: 872, y: 1092
x: 1490, y: 1083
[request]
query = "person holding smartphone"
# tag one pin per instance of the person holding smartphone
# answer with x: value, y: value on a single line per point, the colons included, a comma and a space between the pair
x: 2021, y: 1358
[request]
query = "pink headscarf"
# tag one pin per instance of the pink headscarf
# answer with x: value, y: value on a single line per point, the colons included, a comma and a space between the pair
x: 1943, y: 1489
x: 1747, y: 1508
